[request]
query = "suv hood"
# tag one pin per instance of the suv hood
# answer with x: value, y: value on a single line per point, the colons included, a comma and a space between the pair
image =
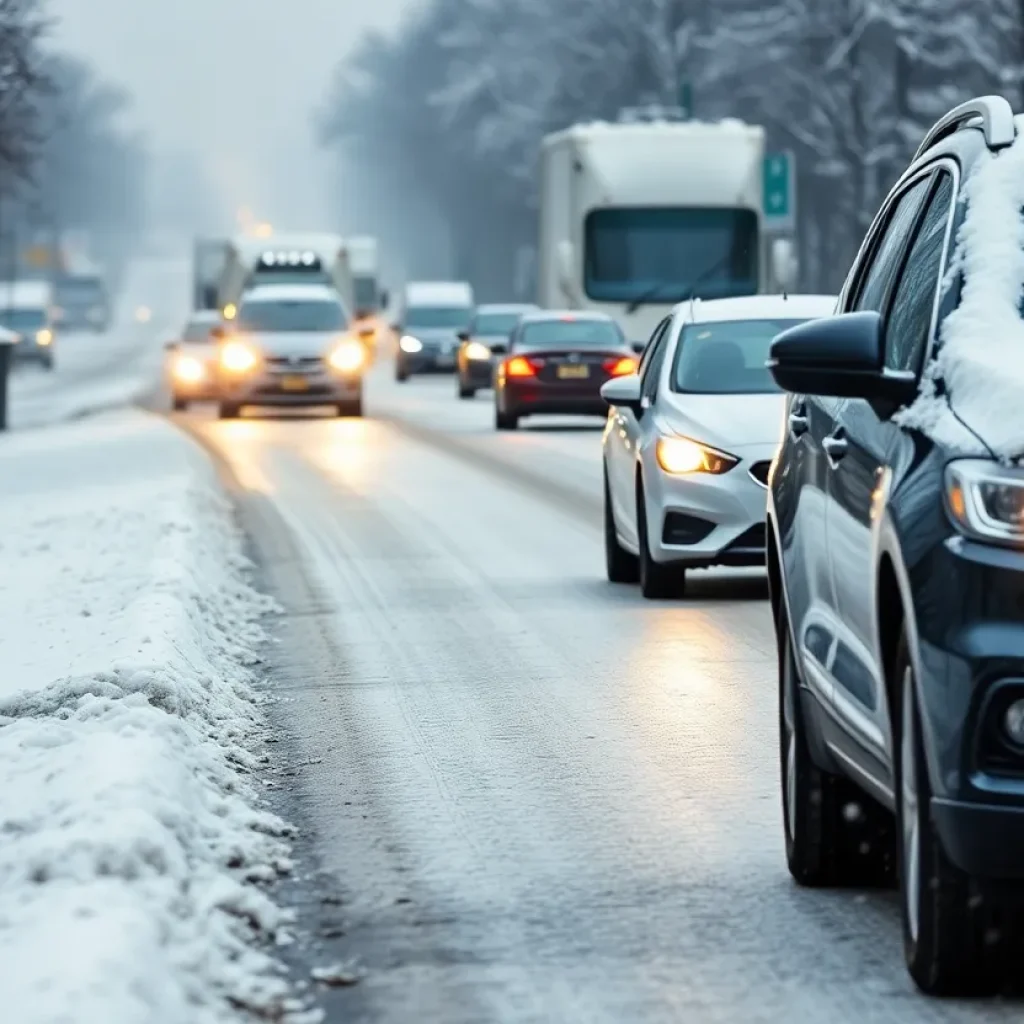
x: 295, y: 343
x: 725, y: 421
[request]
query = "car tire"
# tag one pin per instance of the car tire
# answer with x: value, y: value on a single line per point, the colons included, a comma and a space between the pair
x: 47, y: 363
x: 352, y: 408
x: 657, y: 582
x: 835, y: 834
x: 620, y: 565
x: 401, y: 374
x: 504, y: 420
x: 229, y: 410
x: 953, y: 939
x: 466, y: 391
x: 179, y: 404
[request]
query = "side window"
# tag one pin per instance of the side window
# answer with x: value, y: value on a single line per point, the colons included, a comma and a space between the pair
x: 652, y: 372
x: 910, y: 316
x: 883, y: 263
x: 652, y: 345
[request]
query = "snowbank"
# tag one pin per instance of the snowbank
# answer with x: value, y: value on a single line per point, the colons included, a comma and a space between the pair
x: 128, y: 818
x: 981, y: 358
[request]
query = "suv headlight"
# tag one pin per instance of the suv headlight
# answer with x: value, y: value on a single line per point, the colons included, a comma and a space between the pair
x: 986, y: 500
x: 477, y: 350
x: 410, y: 344
x: 237, y: 357
x: 348, y: 357
x: 680, y: 456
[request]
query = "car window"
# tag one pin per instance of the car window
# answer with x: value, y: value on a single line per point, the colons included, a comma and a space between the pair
x: 570, y: 331
x: 884, y: 262
x: 652, y: 372
x: 910, y: 317
x: 652, y: 345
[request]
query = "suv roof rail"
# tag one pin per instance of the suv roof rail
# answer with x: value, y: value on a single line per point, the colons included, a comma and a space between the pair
x: 994, y: 113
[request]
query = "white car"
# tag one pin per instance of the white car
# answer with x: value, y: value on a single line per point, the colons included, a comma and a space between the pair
x: 690, y: 438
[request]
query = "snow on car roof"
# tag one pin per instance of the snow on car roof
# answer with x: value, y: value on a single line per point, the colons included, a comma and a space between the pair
x: 291, y: 293
x: 980, y: 353
x: 751, y: 307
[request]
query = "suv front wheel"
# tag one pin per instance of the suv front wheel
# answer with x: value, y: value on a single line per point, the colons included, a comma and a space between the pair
x: 953, y: 938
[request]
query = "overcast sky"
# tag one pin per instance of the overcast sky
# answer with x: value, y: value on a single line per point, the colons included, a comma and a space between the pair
x: 235, y: 81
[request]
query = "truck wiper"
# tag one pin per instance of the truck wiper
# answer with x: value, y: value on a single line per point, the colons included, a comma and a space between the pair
x: 652, y: 293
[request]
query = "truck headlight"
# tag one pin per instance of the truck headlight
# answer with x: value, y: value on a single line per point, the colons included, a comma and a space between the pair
x: 237, y: 357
x: 986, y: 500
x: 348, y: 357
x: 476, y: 350
x: 410, y: 344
x: 679, y: 456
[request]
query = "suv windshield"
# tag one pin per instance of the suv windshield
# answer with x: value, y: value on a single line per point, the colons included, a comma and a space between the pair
x: 727, y: 358
x: 457, y: 317
x: 296, y: 315
x: 22, y: 319
x: 492, y: 325
x: 570, y: 332
x: 199, y: 330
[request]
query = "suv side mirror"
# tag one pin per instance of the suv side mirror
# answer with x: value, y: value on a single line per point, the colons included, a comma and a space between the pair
x: 218, y: 332
x: 397, y: 328
x: 623, y: 392
x: 639, y: 346
x: 500, y: 348
x: 841, y: 357
x: 463, y: 335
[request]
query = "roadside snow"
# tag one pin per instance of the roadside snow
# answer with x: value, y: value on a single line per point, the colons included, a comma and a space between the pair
x: 981, y: 357
x: 129, y: 821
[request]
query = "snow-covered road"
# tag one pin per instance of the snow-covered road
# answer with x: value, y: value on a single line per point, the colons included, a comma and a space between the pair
x: 134, y: 839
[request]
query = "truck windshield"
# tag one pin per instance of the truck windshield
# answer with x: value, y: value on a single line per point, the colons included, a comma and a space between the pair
x: 456, y: 318
x: 299, y: 315
x: 655, y: 252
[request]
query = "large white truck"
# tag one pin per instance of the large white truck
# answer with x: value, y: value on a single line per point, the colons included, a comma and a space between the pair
x: 636, y: 216
x: 284, y: 259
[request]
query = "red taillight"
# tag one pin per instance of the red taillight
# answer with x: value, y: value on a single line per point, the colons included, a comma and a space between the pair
x: 517, y: 366
x: 620, y: 367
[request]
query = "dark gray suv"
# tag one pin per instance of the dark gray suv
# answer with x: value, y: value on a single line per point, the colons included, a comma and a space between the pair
x: 896, y: 561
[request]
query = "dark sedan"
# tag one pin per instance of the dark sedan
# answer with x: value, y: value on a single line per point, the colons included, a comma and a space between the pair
x: 486, y: 339
x: 556, y: 364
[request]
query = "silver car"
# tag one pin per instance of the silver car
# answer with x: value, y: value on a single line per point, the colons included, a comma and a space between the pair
x: 291, y: 345
x: 690, y: 438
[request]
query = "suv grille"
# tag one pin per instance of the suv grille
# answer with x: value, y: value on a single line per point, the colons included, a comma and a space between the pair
x: 294, y: 364
x: 759, y: 471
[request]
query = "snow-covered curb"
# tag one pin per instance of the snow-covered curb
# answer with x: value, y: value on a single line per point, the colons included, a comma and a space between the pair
x: 131, y: 834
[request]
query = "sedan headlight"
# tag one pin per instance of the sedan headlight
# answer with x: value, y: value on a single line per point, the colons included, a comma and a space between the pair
x: 188, y: 369
x: 348, y: 357
x: 237, y: 357
x: 986, y: 500
x: 410, y: 344
x: 680, y: 456
x: 477, y: 350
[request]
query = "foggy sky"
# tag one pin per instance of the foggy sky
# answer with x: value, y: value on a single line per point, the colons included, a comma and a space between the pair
x: 234, y: 81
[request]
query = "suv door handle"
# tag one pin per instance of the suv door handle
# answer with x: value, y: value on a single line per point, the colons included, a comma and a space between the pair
x: 835, y: 446
x: 798, y: 425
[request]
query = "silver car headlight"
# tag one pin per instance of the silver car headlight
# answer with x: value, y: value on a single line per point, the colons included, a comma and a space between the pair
x: 680, y: 456
x: 986, y: 500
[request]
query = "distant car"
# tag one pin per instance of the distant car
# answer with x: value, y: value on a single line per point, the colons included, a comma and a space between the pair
x: 27, y: 308
x: 192, y: 362
x: 556, y: 363
x: 291, y: 345
x: 433, y: 315
x: 82, y: 303
x: 486, y: 337
x: 690, y: 438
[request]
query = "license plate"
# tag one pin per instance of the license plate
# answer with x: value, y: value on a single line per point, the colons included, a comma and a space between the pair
x: 294, y: 384
x: 573, y: 372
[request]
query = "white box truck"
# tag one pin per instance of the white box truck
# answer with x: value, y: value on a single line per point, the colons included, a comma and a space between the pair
x: 635, y: 216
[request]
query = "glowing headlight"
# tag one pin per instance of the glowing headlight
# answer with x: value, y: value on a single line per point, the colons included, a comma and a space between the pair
x: 188, y: 370
x: 348, y: 357
x: 681, y: 456
x: 44, y: 336
x: 477, y: 350
x: 237, y: 357
x: 143, y: 314
x: 986, y: 500
x: 410, y: 344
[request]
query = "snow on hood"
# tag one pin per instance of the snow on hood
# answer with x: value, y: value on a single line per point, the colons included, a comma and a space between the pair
x: 981, y: 344
x: 727, y: 420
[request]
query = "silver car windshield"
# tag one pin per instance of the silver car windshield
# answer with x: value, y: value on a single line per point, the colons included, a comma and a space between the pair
x: 297, y: 315
x: 726, y: 358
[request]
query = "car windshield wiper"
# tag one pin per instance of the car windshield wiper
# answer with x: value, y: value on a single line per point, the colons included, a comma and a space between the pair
x: 653, y: 293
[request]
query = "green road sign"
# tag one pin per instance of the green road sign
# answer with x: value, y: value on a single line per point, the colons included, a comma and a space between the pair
x: 779, y: 179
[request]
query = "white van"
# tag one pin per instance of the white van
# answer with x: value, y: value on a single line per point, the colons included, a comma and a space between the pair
x: 433, y: 314
x: 28, y: 309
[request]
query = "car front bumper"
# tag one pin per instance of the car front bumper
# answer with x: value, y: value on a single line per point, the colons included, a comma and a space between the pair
x: 700, y: 519
x: 284, y: 389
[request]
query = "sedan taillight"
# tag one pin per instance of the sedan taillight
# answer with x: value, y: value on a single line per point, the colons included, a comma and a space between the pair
x: 620, y: 367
